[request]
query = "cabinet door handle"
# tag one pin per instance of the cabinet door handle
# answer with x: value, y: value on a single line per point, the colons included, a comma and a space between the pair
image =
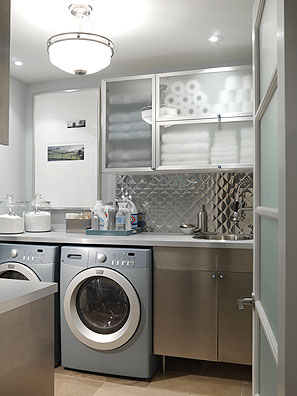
x: 213, y: 276
x: 222, y: 276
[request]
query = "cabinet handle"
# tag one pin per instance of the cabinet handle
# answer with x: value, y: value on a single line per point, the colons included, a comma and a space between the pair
x: 153, y: 168
x: 222, y: 276
x: 213, y: 276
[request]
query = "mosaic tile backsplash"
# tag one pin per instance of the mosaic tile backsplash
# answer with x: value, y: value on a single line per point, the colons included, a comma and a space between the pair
x: 170, y: 200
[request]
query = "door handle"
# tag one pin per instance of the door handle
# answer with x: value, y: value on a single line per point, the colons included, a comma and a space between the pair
x: 241, y: 302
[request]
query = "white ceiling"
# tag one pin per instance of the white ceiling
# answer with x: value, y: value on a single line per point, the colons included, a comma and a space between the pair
x: 148, y: 35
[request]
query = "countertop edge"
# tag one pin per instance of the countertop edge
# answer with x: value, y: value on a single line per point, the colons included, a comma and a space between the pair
x: 142, y: 239
x: 45, y: 289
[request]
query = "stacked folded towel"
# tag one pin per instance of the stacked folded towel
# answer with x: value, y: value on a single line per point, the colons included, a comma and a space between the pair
x: 246, y: 145
x: 129, y: 135
x: 129, y: 127
x: 225, y: 148
x: 130, y: 116
x: 129, y: 155
x: 129, y: 164
x: 185, y: 148
x: 130, y: 98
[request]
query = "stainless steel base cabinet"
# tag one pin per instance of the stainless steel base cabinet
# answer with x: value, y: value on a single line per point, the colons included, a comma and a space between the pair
x: 195, y: 304
x: 185, y: 303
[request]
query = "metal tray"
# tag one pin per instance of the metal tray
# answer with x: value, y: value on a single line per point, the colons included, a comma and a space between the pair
x: 114, y: 232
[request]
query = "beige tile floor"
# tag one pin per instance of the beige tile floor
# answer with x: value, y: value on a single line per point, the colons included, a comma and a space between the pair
x: 184, y: 377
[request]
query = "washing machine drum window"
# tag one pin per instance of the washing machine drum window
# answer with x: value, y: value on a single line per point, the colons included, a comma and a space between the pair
x: 102, y: 305
x: 13, y: 275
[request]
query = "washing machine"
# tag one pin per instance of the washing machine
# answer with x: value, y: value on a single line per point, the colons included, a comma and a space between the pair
x: 106, y: 310
x: 35, y: 263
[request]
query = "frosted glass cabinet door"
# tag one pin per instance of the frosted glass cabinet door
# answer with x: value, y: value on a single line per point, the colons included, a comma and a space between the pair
x: 205, y: 145
x: 127, y: 129
x: 204, y: 93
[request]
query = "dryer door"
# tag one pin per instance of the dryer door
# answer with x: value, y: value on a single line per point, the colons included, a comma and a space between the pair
x: 17, y: 271
x: 102, y: 308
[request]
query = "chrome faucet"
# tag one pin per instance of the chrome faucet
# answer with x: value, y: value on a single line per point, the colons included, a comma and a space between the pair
x: 239, y: 205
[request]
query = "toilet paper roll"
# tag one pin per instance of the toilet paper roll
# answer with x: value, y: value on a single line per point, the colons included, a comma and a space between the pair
x: 206, y: 109
x: 199, y: 98
x: 178, y: 88
x: 192, y: 86
x: 189, y: 110
x: 234, y: 107
x: 221, y: 108
x: 227, y: 96
x: 171, y: 99
x: 243, y: 95
x: 185, y: 99
x: 233, y: 82
x: 247, y: 82
x: 247, y: 107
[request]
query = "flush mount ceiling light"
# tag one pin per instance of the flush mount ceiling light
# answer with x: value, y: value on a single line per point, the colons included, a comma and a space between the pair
x: 215, y: 38
x: 80, y: 53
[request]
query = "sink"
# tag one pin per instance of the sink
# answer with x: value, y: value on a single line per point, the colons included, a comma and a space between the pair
x: 224, y: 237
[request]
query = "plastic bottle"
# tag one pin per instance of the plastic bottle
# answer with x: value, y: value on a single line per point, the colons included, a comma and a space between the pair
x: 134, y: 212
x: 110, y: 213
x: 128, y: 225
x: 99, y: 210
x: 121, y: 217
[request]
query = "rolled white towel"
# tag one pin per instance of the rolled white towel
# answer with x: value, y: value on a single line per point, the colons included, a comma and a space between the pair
x: 130, y: 99
x: 225, y: 143
x: 243, y: 95
x: 206, y: 109
x: 233, y: 82
x: 131, y: 116
x: 172, y: 99
x: 191, y: 110
x: 229, y: 150
x: 129, y: 127
x: 227, y: 96
x: 199, y: 98
x: 129, y: 155
x: 178, y: 87
x: 234, y: 107
x: 192, y: 86
x: 185, y: 148
x: 129, y: 135
x: 247, y: 81
x: 185, y: 99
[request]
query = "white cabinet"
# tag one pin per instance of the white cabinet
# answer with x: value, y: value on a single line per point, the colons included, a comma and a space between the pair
x: 128, y: 140
x: 197, y: 120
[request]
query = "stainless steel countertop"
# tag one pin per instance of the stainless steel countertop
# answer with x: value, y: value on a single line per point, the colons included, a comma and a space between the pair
x: 142, y: 239
x: 16, y: 293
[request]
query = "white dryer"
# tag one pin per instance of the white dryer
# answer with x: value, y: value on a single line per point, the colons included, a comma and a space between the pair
x: 35, y: 263
x: 106, y: 310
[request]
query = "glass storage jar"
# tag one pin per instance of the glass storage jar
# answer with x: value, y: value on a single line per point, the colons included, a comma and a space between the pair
x: 11, y: 216
x: 37, y: 218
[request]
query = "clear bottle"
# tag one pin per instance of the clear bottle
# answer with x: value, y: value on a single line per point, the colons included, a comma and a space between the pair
x: 128, y: 225
x: 98, y: 214
x: 134, y: 212
x: 121, y: 217
x: 110, y: 212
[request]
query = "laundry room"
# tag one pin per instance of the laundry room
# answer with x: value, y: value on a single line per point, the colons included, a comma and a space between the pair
x: 146, y: 152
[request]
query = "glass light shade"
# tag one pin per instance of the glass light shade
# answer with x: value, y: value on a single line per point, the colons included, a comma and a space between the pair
x: 80, y: 53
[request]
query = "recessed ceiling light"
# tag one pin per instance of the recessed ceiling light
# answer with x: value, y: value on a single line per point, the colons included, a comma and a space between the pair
x: 215, y: 38
x: 18, y: 63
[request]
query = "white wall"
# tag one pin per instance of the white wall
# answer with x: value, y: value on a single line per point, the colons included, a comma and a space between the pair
x: 13, y: 157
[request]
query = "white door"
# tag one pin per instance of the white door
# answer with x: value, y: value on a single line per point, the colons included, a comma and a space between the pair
x: 275, y: 274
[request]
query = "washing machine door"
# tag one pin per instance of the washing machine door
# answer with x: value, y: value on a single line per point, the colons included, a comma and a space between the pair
x: 17, y: 271
x: 102, y: 308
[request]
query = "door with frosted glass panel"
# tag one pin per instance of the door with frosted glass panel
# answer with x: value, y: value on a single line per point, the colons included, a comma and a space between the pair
x: 266, y: 199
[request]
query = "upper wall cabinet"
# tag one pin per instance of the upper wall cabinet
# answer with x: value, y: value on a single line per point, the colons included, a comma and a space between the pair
x: 127, y: 138
x: 204, y: 94
x: 198, y: 120
x: 4, y: 69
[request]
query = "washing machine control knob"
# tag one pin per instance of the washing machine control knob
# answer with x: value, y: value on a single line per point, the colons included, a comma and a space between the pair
x: 14, y: 253
x: 101, y: 257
